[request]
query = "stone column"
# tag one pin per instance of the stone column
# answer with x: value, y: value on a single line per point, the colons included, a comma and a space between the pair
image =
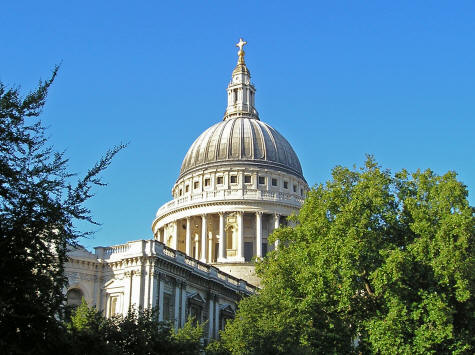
x: 259, y: 234
x: 197, y: 247
x: 155, y: 288
x: 222, y: 237
x: 160, y: 297
x: 204, y: 232
x: 188, y: 236
x: 175, y: 235
x: 147, y: 282
x: 183, y: 304
x: 177, y: 317
x: 276, y: 225
x: 128, y: 292
x: 210, y: 247
x: 211, y: 315
x: 216, y: 318
x: 240, y: 244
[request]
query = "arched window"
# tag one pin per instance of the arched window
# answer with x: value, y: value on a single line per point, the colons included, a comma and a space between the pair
x: 74, y: 297
x: 230, y: 237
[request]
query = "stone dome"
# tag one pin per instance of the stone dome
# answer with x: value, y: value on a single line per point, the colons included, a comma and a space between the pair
x: 239, y: 181
x: 241, y: 141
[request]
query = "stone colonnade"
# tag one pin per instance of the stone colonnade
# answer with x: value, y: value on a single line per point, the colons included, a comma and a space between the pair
x: 222, y: 237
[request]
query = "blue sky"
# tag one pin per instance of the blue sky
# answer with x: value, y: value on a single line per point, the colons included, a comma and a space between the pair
x: 338, y: 79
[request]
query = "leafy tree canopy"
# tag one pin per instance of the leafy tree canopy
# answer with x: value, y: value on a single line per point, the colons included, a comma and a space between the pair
x: 378, y: 263
x: 139, y: 332
x: 39, y: 206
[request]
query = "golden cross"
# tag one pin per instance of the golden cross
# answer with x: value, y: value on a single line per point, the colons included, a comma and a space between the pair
x: 241, y: 44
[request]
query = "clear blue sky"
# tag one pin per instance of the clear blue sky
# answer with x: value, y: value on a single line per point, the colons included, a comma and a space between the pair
x: 337, y: 78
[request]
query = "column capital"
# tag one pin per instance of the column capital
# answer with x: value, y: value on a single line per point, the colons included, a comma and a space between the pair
x: 179, y: 281
x: 260, y: 213
x: 222, y: 213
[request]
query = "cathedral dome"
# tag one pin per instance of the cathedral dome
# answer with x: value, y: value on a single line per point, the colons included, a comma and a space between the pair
x: 238, y: 141
x: 239, y: 181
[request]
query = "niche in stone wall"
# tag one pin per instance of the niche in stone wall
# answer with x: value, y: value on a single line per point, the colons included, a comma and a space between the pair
x: 231, y: 234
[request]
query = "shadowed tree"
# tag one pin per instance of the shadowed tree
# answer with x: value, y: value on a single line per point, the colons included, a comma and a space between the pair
x: 138, y: 332
x: 39, y: 206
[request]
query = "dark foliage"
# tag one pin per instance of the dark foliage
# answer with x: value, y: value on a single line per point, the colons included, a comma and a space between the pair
x: 139, y: 332
x: 39, y: 207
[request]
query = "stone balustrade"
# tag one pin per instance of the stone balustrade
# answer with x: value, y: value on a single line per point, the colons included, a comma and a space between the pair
x: 141, y: 248
x: 233, y: 194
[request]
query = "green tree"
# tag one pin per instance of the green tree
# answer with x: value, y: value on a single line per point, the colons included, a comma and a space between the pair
x: 138, y: 332
x: 188, y: 339
x: 378, y: 263
x: 89, y: 332
x: 39, y: 207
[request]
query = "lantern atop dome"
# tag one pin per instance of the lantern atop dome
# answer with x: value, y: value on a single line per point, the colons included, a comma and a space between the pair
x: 241, y: 93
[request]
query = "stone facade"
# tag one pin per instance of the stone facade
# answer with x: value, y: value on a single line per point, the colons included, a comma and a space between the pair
x: 238, y: 182
x: 146, y: 273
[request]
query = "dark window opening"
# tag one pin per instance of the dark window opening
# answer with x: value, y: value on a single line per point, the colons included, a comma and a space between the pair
x: 262, y: 180
x: 247, y: 179
x: 196, y: 313
x: 274, y: 182
x: 248, y: 251
x: 167, y: 307
x: 233, y: 179
x: 264, y: 249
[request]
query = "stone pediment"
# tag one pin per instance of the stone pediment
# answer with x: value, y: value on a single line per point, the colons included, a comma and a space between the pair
x: 112, y: 284
x: 226, y: 308
x: 195, y: 297
x: 80, y: 253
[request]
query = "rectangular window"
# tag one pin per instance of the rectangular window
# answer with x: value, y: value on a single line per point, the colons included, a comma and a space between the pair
x: 187, y: 188
x: 196, y: 184
x: 219, y: 180
x: 274, y: 182
x: 262, y: 180
x: 181, y: 192
x: 286, y: 185
x: 247, y: 179
x: 207, y: 181
x: 195, y: 313
x: 248, y: 251
x: 233, y: 179
x: 167, y: 307
x: 113, y: 306
x: 301, y: 192
x: 295, y: 187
